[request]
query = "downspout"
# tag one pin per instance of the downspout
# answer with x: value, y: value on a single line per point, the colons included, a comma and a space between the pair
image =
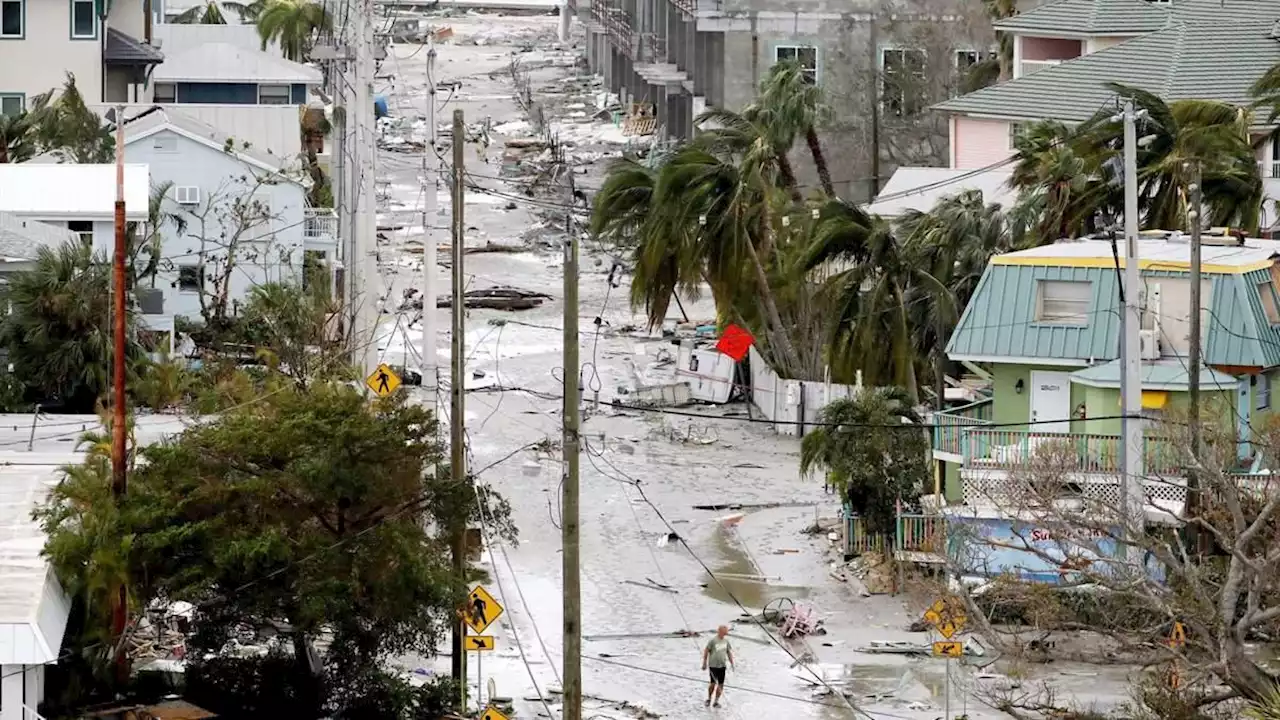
x: 147, y: 20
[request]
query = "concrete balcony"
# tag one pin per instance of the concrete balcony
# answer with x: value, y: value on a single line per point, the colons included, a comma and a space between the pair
x: 319, y: 226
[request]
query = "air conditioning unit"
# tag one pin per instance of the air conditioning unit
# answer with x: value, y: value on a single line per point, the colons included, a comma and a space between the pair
x: 187, y: 195
x: 1150, y: 342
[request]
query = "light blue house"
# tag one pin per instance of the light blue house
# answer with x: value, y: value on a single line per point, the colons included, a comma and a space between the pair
x: 245, y: 209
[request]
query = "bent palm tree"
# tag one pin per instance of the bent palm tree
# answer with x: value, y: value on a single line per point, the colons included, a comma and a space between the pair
x: 293, y: 24
x: 17, y: 137
x: 797, y: 107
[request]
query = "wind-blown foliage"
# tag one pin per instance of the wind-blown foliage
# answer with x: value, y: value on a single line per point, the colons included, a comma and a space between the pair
x: 870, y: 453
x: 293, y: 24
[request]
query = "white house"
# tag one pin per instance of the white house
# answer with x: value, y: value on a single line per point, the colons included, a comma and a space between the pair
x: 80, y: 198
x: 245, y: 209
x: 21, y: 241
x: 42, y: 40
x: 33, y: 605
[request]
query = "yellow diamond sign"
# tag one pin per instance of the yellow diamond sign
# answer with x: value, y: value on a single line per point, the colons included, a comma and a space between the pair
x: 383, y: 381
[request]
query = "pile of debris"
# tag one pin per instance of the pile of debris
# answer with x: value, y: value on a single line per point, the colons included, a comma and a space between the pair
x: 874, y: 571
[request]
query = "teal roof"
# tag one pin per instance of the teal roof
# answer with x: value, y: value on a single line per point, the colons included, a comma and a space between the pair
x: 1164, y: 374
x: 1000, y: 318
x: 999, y: 321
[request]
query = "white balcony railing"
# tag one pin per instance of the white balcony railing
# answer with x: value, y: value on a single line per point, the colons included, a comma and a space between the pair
x: 1269, y: 168
x: 319, y: 224
x: 1030, y: 66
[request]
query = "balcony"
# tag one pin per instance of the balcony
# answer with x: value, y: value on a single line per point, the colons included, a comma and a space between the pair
x: 1009, y: 448
x: 1027, y: 67
x: 319, y: 225
x: 949, y: 428
x: 1269, y: 168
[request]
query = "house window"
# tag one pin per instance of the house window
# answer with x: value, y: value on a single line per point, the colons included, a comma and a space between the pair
x: 274, y: 95
x: 166, y: 93
x: 1015, y: 131
x: 190, y: 278
x: 1262, y: 391
x: 966, y: 59
x: 806, y: 56
x: 1267, y: 292
x: 12, y: 21
x: 11, y: 104
x: 83, y: 228
x: 903, y: 81
x: 1063, y: 302
x: 84, y: 20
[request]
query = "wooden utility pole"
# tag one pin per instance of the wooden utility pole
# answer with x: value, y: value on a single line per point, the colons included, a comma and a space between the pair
x: 873, y: 44
x: 1193, y: 376
x: 457, y: 417
x: 119, y: 460
x: 569, y: 508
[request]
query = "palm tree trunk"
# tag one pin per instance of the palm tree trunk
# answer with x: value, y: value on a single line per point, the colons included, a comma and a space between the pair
x: 819, y: 161
x: 787, y: 175
x: 779, y: 331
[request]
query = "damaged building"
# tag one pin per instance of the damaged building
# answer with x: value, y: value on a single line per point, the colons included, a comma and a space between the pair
x: 881, y: 66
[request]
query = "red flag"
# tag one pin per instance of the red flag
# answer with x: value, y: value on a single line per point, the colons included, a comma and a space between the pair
x: 735, y: 342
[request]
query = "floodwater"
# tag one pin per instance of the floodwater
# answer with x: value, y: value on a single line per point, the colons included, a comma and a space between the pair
x: 630, y: 657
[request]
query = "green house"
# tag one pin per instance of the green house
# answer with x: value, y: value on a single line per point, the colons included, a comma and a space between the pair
x: 1044, y: 324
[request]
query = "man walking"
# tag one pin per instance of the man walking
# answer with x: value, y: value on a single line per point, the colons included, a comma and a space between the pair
x: 717, y: 656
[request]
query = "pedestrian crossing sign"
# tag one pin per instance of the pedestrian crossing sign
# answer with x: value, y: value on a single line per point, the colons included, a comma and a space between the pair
x: 481, y: 610
x: 492, y: 713
x: 383, y: 381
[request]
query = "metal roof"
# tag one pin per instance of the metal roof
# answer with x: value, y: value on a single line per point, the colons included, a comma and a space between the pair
x: 920, y: 188
x: 157, y: 118
x: 122, y: 49
x: 1160, y: 254
x: 1217, y: 60
x: 1089, y: 18
x: 1162, y: 374
x: 221, y: 62
x: 54, y: 190
x: 274, y: 127
x: 179, y: 37
x: 22, y: 239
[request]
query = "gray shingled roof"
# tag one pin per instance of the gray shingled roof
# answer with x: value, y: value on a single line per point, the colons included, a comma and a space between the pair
x: 1186, y: 60
x: 160, y: 115
x: 22, y: 239
x: 125, y: 50
x: 1090, y: 17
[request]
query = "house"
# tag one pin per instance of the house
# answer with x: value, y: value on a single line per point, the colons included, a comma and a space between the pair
x: 277, y: 128
x: 244, y: 207
x: 21, y: 241
x: 79, y: 198
x: 228, y: 72
x: 1044, y: 325
x: 1066, y: 52
x: 42, y: 41
x: 669, y: 60
x: 920, y: 188
x: 34, y: 608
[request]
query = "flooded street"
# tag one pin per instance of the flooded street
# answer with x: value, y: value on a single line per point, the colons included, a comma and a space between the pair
x: 638, y: 587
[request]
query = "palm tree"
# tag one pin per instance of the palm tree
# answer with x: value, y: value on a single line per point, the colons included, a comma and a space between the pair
x: 207, y: 13
x: 756, y: 126
x: 58, y: 330
x: 292, y: 23
x: 149, y: 243
x: 866, y: 455
x: 17, y: 139
x: 67, y: 128
x: 1056, y: 183
x: 797, y: 106
x: 1177, y: 135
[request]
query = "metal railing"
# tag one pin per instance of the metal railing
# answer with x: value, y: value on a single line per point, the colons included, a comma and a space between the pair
x: 1032, y: 66
x: 949, y: 425
x: 319, y: 223
x: 913, y: 532
x: 1269, y: 168
x: 1008, y: 448
x: 684, y: 6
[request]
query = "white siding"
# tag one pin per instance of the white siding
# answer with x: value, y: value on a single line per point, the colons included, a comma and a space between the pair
x: 196, y: 164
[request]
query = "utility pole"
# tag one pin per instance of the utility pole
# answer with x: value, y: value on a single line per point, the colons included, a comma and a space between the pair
x: 1193, y: 377
x: 1131, y: 349
x: 119, y: 460
x: 566, y: 17
x: 569, y: 508
x: 457, y: 416
x: 363, y: 219
x: 873, y: 45
x: 430, y: 186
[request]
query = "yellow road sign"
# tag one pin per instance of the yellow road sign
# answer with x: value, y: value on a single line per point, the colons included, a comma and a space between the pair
x: 480, y: 643
x: 947, y: 629
x: 946, y: 616
x: 383, y: 381
x: 1178, y: 637
x: 481, y: 610
x: 948, y: 649
x: 492, y: 713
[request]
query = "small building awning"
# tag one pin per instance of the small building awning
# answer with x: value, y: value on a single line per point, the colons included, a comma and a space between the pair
x: 122, y: 49
x: 1157, y: 375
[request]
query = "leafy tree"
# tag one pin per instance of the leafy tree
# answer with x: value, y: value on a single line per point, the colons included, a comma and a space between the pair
x: 17, y: 141
x: 58, y: 331
x: 305, y: 506
x: 873, y: 463
x: 294, y: 330
x: 293, y: 24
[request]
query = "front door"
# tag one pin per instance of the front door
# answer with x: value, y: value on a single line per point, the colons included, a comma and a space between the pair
x: 1050, y: 400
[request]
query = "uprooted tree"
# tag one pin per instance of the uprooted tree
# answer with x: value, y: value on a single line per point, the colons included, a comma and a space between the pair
x: 1213, y: 567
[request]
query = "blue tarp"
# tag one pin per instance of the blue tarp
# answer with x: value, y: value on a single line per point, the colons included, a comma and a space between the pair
x: 380, y: 107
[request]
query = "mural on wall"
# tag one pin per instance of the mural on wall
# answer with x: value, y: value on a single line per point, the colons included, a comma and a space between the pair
x: 989, y: 547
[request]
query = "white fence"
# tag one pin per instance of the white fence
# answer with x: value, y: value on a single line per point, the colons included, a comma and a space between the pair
x: 792, y: 405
